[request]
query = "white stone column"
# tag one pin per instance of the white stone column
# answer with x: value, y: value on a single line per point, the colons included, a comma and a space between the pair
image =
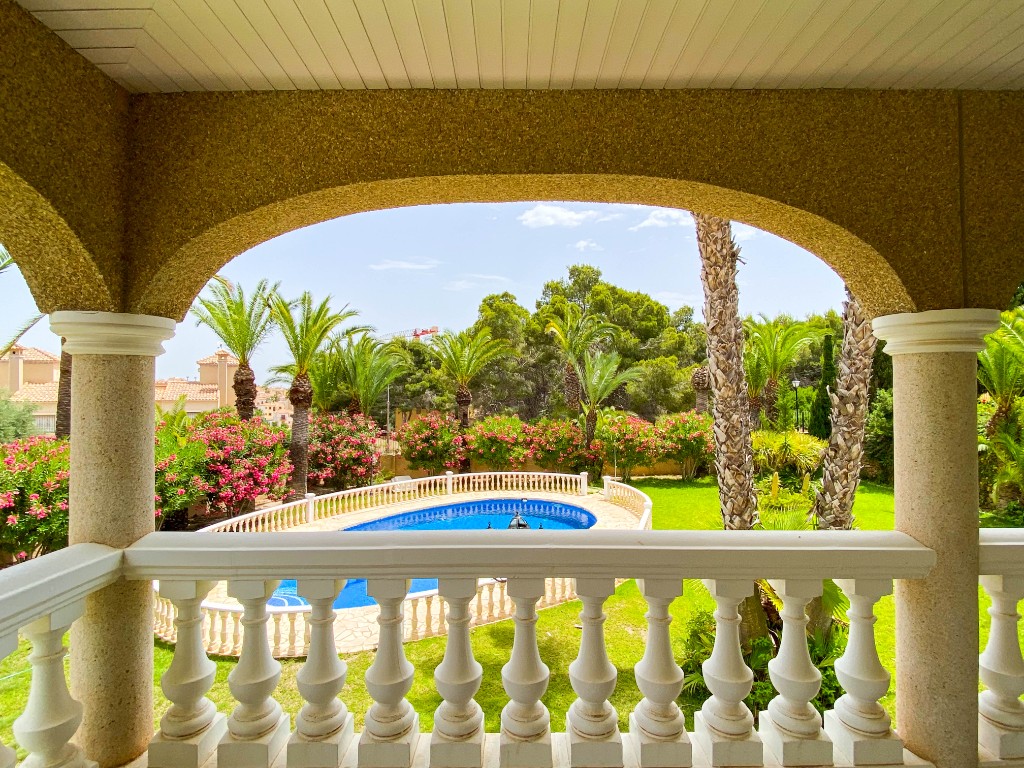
x: 111, y: 502
x: 935, y: 425
x: 1000, y: 710
x: 192, y: 727
x: 525, y: 721
x: 323, y: 727
x: 458, y: 737
x: 657, y: 725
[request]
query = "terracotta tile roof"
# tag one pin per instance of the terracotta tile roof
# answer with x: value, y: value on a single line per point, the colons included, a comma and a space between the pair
x: 172, y: 389
x: 35, y: 355
x: 36, y: 393
x: 213, y: 359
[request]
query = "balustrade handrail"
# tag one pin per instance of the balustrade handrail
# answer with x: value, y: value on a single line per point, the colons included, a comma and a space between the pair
x: 1001, y: 552
x: 432, y: 554
x: 47, y: 584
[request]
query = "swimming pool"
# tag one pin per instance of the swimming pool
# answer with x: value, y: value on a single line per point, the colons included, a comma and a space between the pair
x: 464, y: 516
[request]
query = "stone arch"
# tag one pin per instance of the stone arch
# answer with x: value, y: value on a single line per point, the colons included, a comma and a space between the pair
x: 179, y: 279
x: 47, y: 250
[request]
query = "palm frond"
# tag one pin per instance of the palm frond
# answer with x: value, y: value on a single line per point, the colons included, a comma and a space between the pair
x: 242, y: 323
x: 463, y: 356
x: 13, y: 341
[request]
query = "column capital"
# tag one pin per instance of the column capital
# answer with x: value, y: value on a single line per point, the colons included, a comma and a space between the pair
x: 936, y: 330
x: 112, y: 333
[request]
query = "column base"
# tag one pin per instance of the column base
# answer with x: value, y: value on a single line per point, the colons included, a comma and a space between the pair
x: 165, y: 752
x: 398, y: 753
x: 793, y: 750
x: 861, y: 749
x: 724, y: 750
x: 514, y: 753
x: 1003, y: 744
x: 464, y: 753
x: 325, y: 753
x: 236, y: 753
x: 593, y: 753
x: 658, y: 753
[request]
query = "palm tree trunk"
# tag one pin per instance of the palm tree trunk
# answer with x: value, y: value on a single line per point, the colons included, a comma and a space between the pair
x: 591, y: 424
x: 572, y: 388
x: 245, y: 391
x: 770, y: 399
x: 734, y: 459
x: 833, y: 506
x: 301, y: 397
x: 463, y: 402
x: 62, y: 424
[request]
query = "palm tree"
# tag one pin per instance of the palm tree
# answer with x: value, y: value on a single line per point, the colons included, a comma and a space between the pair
x: 577, y: 333
x: 772, y: 348
x: 6, y: 262
x: 1001, y: 367
x: 833, y: 505
x: 242, y: 323
x: 734, y: 461
x: 462, y: 357
x: 305, y: 328
x: 599, y: 377
x: 367, y: 368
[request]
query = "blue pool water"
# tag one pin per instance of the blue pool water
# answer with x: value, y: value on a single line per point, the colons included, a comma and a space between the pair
x: 465, y: 516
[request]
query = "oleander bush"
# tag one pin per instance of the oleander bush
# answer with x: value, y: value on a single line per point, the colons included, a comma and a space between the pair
x: 560, y: 445
x: 343, y: 450
x: 688, y: 440
x: 499, y: 442
x: 629, y: 442
x: 432, y: 441
x: 33, y: 497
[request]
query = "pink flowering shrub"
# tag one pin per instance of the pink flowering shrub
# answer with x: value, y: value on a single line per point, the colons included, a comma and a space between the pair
x: 33, y: 497
x: 343, y: 450
x: 629, y: 442
x: 688, y: 441
x: 560, y: 445
x: 181, y: 477
x: 499, y: 442
x: 432, y: 441
x: 245, y: 460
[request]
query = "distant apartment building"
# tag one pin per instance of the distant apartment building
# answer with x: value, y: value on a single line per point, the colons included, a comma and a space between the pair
x: 30, y: 375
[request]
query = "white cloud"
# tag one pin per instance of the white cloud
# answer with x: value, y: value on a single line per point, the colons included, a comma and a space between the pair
x: 586, y: 245
x: 665, y: 217
x: 459, y: 285
x: 494, y: 278
x: 741, y: 232
x: 543, y: 215
x: 401, y: 264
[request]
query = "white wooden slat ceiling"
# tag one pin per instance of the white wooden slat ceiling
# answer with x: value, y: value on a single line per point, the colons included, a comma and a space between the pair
x: 237, y: 45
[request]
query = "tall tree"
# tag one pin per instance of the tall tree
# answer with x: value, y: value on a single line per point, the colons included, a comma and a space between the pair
x: 734, y: 459
x: 600, y: 376
x: 772, y: 348
x: 833, y: 505
x: 242, y: 323
x: 62, y: 421
x: 577, y: 333
x: 1001, y: 367
x: 368, y: 368
x: 305, y: 328
x: 462, y: 357
x: 820, y: 422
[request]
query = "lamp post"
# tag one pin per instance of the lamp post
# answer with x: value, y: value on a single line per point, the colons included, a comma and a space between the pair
x: 796, y: 400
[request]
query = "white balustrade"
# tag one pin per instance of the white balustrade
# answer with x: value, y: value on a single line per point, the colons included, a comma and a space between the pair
x: 1000, y: 710
x: 458, y: 737
x: 391, y: 729
x: 791, y: 727
x: 657, y: 724
x: 191, y: 729
x: 51, y: 716
x: 258, y: 728
x: 592, y: 723
x: 8, y: 645
x: 323, y: 727
x: 859, y: 726
x: 724, y: 726
x: 525, y: 721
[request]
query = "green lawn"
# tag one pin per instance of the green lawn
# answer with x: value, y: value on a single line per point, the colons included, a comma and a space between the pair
x: 677, y: 505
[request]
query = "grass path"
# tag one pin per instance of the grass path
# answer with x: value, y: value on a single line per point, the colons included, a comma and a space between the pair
x: 677, y: 505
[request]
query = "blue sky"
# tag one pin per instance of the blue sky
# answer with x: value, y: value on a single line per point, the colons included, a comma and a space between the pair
x: 431, y: 265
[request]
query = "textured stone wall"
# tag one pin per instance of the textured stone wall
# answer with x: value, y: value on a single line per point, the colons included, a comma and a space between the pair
x: 63, y: 134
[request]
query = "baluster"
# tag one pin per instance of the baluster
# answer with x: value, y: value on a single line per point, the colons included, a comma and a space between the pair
x: 51, y: 716
x: 724, y: 726
x: 414, y: 629
x: 458, y: 737
x: 293, y: 619
x: 276, y: 647
x: 525, y: 721
x: 323, y: 727
x: 478, y: 618
x: 8, y: 645
x: 392, y: 726
x: 429, y: 619
x: 791, y: 727
x: 442, y: 615
x: 490, y: 600
x: 656, y: 724
x: 225, y: 642
x: 307, y: 633
x: 235, y: 647
x: 592, y: 724
x: 1000, y: 711
x: 258, y: 728
x: 192, y: 727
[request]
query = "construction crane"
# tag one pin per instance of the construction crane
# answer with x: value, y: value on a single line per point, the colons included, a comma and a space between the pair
x: 412, y: 333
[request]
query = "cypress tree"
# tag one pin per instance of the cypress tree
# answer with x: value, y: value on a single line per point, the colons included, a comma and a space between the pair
x: 820, y: 423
